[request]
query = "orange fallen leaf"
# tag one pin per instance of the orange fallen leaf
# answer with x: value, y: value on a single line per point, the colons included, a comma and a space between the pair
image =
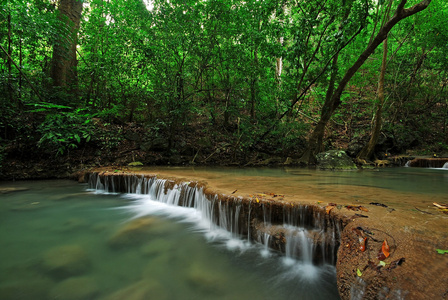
x: 384, y: 251
x: 363, y: 208
x: 385, y: 248
x: 328, y: 209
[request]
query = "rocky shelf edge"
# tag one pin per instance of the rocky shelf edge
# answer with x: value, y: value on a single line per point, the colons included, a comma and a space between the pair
x: 355, y: 278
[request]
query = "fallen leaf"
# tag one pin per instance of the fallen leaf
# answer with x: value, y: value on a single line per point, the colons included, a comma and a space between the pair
x: 440, y: 251
x: 363, y: 208
x: 356, y: 208
x: 358, y: 272
x: 234, y: 191
x: 441, y: 206
x: 382, y: 264
x: 396, y: 263
x: 328, y: 209
x: 378, y: 204
x: 384, y: 252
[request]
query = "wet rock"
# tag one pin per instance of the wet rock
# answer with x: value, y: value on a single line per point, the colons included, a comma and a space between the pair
x: 132, y: 233
x: 141, y: 290
x: 335, y: 160
x: 76, y: 288
x: 34, y: 289
x: 428, y: 162
x: 205, y: 280
x: 66, y: 261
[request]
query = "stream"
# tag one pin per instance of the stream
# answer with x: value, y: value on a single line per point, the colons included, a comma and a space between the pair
x: 62, y: 240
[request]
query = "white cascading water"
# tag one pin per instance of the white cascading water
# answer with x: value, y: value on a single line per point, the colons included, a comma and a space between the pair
x: 221, y: 218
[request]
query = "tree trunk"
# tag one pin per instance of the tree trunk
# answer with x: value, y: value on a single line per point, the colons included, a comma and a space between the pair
x: 9, y: 61
x: 315, y: 142
x: 64, y: 62
x: 369, y: 149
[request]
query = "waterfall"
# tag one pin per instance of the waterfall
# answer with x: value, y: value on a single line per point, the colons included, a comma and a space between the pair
x: 445, y: 166
x: 407, y: 164
x: 300, y: 231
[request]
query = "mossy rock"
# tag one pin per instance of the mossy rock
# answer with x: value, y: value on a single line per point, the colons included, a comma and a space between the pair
x: 133, y: 233
x: 335, y: 160
x: 135, y: 164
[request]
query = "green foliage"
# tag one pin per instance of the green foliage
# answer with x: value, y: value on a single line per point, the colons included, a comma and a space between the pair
x: 210, y: 66
x: 63, y: 131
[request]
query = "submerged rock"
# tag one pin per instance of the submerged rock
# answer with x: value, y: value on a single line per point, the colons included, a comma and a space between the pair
x: 66, y: 261
x: 141, y: 290
x: 335, y: 160
x: 205, y: 280
x: 156, y: 247
x: 76, y: 288
x: 132, y: 233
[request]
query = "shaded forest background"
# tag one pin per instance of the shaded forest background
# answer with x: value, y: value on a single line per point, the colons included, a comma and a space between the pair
x: 224, y: 82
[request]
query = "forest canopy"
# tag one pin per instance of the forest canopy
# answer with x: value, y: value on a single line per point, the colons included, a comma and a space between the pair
x: 223, y: 80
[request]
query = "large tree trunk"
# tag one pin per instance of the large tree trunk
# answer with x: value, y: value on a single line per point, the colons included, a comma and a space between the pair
x: 369, y: 149
x: 331, y: 104
x: 64, y: 62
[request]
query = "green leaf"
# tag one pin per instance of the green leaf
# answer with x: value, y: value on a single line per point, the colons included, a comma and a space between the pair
x: 77, y: 138
x: 358, y: 272
x: 440, y: 251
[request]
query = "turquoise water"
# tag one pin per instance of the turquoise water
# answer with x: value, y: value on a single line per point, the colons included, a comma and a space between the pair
x: 60, y: 241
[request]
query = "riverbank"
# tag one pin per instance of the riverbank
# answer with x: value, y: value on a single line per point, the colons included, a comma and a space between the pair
x: 408, y: 221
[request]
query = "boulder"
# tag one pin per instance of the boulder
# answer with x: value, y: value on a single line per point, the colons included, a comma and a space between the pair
x: 335, y: 160
x: 75, y: 288
x: 133, y: 233
x: 66, y: 261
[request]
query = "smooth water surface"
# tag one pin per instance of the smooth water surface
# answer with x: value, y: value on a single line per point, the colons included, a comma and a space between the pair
x: 60, y: 241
